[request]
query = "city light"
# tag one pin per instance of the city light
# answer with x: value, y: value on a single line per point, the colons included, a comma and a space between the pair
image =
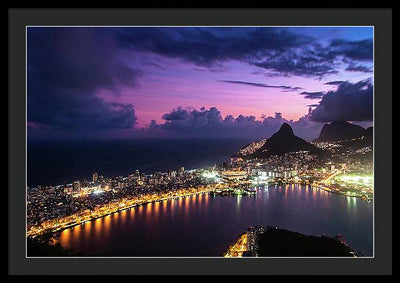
x: 210, y: 175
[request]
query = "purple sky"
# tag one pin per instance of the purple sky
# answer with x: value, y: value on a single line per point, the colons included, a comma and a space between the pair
x: 196, y: 82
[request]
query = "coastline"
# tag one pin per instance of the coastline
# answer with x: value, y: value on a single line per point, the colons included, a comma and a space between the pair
x: 217, y: 189
x: 39, y: 230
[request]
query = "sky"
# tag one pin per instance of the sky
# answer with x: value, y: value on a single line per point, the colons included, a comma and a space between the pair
x: 192, y: 82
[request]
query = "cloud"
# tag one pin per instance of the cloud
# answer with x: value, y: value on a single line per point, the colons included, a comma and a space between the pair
x: 210, y: 123
x: 71, y: 109
x: 206, y: 47
x: 283, y: 87
x: 298, y: 64
x: 278, y: 50
x: 316, y: 60
x: 354, y: 50
x: 313, y: 95
x: 334, y: 83
x: 349, y: 102
x: 156, y: 65
x: 359, y: 68
x: 66, y: 68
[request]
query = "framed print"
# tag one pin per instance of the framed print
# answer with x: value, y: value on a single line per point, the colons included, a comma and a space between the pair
x: 200, y: 141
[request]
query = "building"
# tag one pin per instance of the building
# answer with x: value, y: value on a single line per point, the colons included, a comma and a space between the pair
x: 251, y: 239
x: 234, y: 175
x: 171, y: 175
x: 76, y: 186
x: 110, y: 186
x: 95, y: 178
x: 137, y: 175
x: 181, y: 172
x: 68, y: 190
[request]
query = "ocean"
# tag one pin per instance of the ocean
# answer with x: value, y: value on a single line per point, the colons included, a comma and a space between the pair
x: 56, y: 162
x: 203, y: 225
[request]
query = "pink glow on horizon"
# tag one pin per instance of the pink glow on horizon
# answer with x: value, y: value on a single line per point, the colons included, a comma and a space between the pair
x: 176, y: 83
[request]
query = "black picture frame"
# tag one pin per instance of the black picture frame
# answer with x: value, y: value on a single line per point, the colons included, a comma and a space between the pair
x: 381, y: 19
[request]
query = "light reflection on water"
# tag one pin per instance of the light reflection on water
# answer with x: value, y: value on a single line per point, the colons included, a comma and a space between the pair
x: 201, y: 225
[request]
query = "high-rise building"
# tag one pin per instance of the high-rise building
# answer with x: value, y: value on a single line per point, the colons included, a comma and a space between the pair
x: 172, y: 174
x: 137, y: 174
x: 76, y: 186
x: 95, y: 178
x: 181, y: 172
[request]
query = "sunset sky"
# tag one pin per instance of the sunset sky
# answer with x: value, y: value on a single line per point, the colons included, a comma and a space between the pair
x: 127, y: 82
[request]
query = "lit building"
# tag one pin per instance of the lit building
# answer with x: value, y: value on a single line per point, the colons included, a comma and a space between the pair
x: 234, y: 175
x: 95, y: 178
x: 181, y: 172
x: 76, y: 186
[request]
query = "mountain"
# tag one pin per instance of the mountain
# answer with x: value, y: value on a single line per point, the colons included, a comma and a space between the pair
x: 366, y: 139
x: 369, y: 135
x: 339, y: 131
x: 250, y: 148
x: 282, y: 142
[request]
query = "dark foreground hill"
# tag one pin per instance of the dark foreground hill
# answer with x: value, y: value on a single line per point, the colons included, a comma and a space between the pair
x: 284, y: 141
x: 281, y: 242
x: 366, y: 140
x: 339, y: 131
x: 42, y: 246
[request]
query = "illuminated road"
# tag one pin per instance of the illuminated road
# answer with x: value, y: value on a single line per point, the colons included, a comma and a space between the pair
x: 338, y: 171
x: 238, y: 248
x: 118, y: 205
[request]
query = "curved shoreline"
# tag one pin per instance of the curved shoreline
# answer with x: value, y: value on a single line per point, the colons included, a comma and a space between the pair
x: 58, y: 228
x: 40, y: 230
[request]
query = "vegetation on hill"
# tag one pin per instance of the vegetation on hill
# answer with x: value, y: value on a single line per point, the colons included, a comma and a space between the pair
x: 43, y: 246
x: 281, y: 242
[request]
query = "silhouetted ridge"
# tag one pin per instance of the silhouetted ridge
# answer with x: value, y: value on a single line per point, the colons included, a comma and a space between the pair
x: 284, y: 141
x: 286, y: 129
x: 369, y: 135
x: 367, y: 139
x: 340, y: 131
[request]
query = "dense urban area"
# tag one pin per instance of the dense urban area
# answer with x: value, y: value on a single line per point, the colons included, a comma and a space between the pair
x: 340, y: 169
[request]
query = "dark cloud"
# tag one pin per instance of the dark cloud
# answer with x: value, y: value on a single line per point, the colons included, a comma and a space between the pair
x: 72, y: 109
x: 313, y: 95
x: 334, y: 83
x: 66, y: 67
x: 178, y: 114
x: 210, y: 123
x: 315, y: 60
x: 209, y: 46
x: 283, y: 87
x: 298, y: 64
x: 277, y: 50
x: 355, y: 50
x: 359, y: 68
x: 217, y: 68
x: 192, y: 119
x: 350, y: 102
x: 156, y: 65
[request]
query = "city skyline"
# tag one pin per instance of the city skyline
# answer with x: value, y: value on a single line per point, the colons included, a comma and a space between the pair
x: 129, y: 82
